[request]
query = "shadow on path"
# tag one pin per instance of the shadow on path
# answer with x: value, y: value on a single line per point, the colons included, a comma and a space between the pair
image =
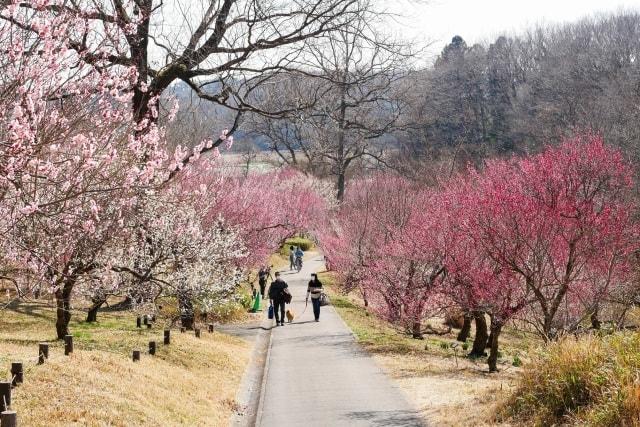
x: 387, y: 418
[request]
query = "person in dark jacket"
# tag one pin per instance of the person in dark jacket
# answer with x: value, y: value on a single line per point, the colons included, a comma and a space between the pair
x: 277, y: 296
x: 263, y: 275
x: 315, y: 291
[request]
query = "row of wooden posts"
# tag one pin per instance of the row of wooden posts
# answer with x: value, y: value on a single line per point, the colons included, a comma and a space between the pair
x: 9, y: 418
x: 147, y: 320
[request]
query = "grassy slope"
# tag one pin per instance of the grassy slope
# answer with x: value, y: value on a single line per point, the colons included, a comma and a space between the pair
x: 192, y: 381
x: 449, y: 388
x: 591, y: 381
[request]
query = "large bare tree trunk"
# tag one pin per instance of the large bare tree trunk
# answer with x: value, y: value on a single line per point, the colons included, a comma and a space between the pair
x: 63, y: 307
x: 496, y: 328
x: 92, y: 314
x: 340, y: 184
x: 466, y: 328
x: 595, y: 320
x: 482, y: 336
x: 417, y: 330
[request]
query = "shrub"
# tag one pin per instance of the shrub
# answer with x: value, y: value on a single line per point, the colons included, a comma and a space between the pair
x: 517, y: 362
x: 301, y: 242
x: 444, y: 345
x: 465, y: 346
x: 592, y: 381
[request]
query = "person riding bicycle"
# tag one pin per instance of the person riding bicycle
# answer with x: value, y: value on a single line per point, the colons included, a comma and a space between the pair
x: 299, y: 255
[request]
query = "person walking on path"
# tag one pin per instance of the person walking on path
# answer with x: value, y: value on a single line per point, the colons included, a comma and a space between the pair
x: 299, y: 254
x: 292, y: 258
x: 278, y: 296
x: 263, y: 275
x: 315, y: 291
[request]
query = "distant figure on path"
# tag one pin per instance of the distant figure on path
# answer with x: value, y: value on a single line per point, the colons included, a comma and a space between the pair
x: 263, y: 275
x: 292, y: 258
x: 299, y: 255
x: 315, y: 290
x: 278, y: 296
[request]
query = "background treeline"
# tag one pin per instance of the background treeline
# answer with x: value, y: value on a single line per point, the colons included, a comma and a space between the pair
x: 520, y: 92
x: 362, y: 105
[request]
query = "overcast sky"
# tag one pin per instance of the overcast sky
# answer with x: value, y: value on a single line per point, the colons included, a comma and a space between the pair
x: 481, y: 20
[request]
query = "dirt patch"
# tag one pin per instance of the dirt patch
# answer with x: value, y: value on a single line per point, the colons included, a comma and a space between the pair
x: 446, y: 393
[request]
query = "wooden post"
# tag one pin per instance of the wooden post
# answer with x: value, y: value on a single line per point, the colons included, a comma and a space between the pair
x: 167, y: 336
x: 152, y: 348
x: 182, y: 329
x: 43, y: 352
x: 17, y: 374
x: 8, y: 419
x: 210, y: 327
x: 68, y: 344
x: 138, y: 322
x: 197, y: 332
x: 136, y: 355
x: 5, y: 396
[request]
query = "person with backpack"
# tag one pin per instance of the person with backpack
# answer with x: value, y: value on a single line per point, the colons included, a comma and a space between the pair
x: 263, y: 274
x: 278, y: 296
x: 315, y: 291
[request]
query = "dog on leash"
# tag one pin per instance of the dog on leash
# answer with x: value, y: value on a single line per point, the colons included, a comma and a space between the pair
x: 290, y: 315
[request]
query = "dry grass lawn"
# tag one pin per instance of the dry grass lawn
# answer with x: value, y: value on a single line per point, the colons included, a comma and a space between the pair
x: 448, y: 388
x: 189, y: 382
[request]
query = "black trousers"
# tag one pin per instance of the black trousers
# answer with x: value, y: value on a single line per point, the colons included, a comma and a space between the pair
x: 278, y: 308
x: 316, y: 308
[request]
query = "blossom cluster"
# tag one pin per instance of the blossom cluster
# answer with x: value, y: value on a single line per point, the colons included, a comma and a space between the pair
x: 92, y: 200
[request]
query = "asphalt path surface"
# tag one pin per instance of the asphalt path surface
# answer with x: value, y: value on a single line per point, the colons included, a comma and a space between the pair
x: 317, y: 375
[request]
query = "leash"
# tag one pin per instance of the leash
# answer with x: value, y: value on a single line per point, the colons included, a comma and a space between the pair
x: 306, y: 303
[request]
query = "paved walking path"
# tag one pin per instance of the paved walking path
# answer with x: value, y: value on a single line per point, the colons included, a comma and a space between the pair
x: 318, y: 376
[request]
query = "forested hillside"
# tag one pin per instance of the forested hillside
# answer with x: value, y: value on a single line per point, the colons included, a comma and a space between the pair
x: 522, y: 91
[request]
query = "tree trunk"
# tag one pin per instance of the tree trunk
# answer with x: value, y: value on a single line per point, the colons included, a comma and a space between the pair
x: 187, y: 321
x: 490, y: 338
x: 63, y: 308
x: 340, y: 185
x: 417, y: 330
x: 187, y: 315
x: 466, y: 328
x: 128, y: 302
x: 493, y: 355
x: 547, y: 328
x: 481, y: 338
x: 341, y: 155
x: 595, y: 320
x: 92, y: 314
